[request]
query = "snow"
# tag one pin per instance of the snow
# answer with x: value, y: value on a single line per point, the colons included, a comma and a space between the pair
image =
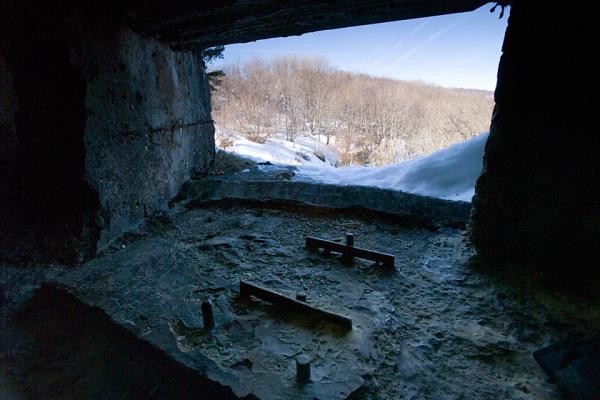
x: 277, y: 150
x: 448, y: 174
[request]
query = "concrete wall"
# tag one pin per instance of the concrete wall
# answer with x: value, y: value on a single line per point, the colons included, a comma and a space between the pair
x: 8, y: 124
x: 100, y: 128
x: 148, y: 126
x: 8, y: 138
x: 537, y: 203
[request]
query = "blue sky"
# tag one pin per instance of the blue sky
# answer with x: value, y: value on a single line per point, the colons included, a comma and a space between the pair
x: 457, y: 50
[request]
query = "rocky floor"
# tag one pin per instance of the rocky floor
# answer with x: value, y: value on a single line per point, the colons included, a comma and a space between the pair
x: 438, y: 326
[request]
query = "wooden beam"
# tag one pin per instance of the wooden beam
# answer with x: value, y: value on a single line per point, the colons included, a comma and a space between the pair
x: 280, y: 300
x: 386, y: 260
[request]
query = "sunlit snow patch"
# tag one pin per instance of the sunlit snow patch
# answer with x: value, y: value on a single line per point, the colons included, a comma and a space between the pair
x: 448, y: 174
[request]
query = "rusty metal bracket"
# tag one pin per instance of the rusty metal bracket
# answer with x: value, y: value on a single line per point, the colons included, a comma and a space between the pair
x: 348, y: 250
x: 280, y: 300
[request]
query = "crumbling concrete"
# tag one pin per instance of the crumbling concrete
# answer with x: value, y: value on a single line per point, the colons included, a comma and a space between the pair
x: 422, y: 330
x: 100, y: 128
x: 273, y: 184
x: 148, y: 127
x: 8, y: 139
x: 187, y: 24
x: 79, y: 353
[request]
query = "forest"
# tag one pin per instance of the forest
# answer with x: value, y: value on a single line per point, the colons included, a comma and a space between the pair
x: 368, y: 120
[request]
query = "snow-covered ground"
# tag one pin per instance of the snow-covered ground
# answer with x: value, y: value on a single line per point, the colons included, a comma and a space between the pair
x: 448, y: 174
x: 277, y: 150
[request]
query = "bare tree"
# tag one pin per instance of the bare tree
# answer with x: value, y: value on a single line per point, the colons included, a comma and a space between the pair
x: 369, y: 120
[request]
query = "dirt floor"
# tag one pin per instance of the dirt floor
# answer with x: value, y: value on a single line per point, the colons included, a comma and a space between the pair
x: 438, y: 326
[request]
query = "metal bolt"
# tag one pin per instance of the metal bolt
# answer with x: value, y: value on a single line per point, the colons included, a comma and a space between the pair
x: 208, y: 315
x: 348, y: 255
x: 302, y: 368
x: 301, y: 296
x: 350, y: 239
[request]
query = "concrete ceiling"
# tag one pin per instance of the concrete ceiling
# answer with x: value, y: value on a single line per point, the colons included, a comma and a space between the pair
x: 195, y: 24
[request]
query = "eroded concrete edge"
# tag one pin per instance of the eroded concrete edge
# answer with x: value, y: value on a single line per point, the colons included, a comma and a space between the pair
x: 422, y: 209
x: 159, y: 338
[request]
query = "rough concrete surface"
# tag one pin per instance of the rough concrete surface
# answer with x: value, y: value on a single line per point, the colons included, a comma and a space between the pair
x: 270, y: 183
x: 8, y: 139
x: 99, y: 127
x: 188, y: 24
x: 436, y: 327
x: 148, y: 127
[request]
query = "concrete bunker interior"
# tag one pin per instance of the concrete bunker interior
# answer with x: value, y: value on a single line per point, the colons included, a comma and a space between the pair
x: 106, y: 134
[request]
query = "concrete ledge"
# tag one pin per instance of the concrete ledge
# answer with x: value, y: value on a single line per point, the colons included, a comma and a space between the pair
x: 77, y: 347
x: 427, y: 210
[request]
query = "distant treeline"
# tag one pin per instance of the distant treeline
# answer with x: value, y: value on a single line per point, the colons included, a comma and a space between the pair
x: 368, y: 120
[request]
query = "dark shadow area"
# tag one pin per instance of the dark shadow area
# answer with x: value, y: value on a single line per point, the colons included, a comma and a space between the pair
x: 537, y: 201
x: 576, y: 367
x: 530, y: 280
x: 69, y: 350
x: 50, y: 200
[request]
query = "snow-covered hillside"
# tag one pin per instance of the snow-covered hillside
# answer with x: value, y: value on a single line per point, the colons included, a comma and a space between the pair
x: 305, y: 150
x: 448, y: 174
